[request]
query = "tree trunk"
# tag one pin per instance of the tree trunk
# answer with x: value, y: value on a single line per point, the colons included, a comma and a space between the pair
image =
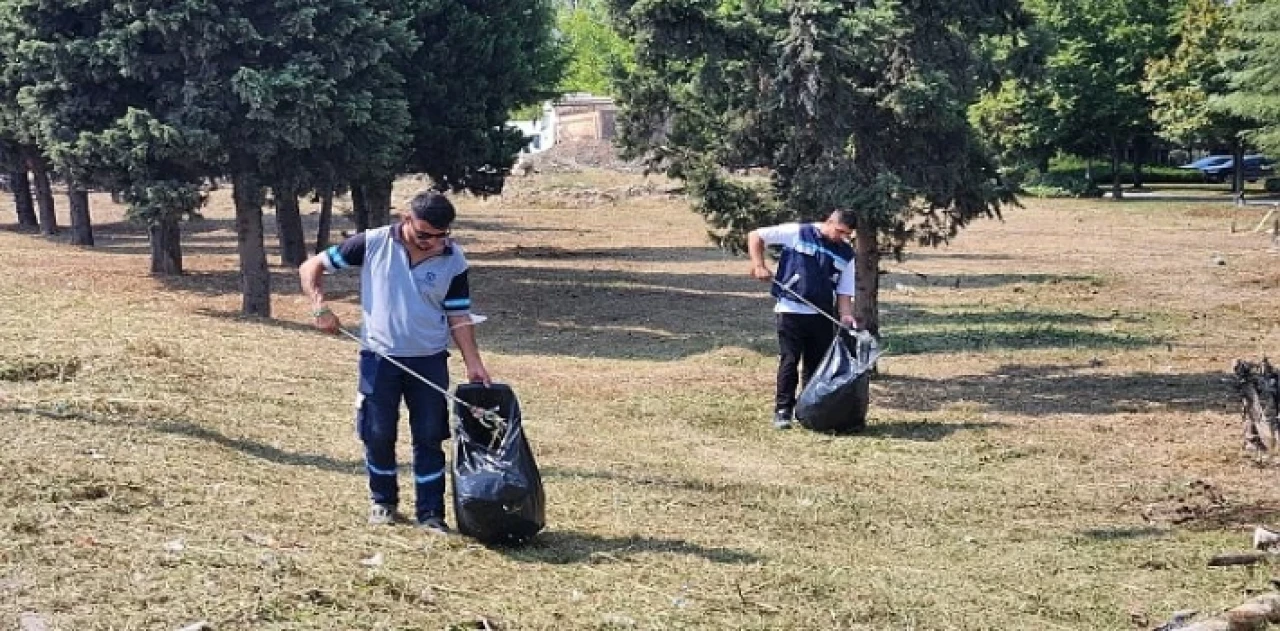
x: 44, y: 199
x: 326, y: 218
x: 255, y: 276
x: 866, y: 300
x: 165, y: 236
x: 293, y: 243
x: 1117, y: 192
x: 20, y: 184
x: 1139, y: 156
x: 1237, y: 167
x: 359, y: 206
x: 81, y: 223
x: 378, y: 197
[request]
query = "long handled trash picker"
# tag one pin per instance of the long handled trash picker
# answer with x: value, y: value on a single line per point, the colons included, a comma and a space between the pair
x: 863, y: 337
x: 489, y: 418
x: 787, y: 287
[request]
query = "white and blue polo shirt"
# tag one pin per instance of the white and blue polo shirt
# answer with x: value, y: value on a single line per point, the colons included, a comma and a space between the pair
x: 404, y: 307
x: 821, y: 267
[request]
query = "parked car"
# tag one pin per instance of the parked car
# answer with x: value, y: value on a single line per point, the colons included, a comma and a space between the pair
x: 1206, y: 162
x: 1255, y: 168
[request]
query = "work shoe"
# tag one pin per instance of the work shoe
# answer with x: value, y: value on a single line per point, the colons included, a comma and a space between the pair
x: 383, y: 514
x: 435, y: 525
x: 782, y: 419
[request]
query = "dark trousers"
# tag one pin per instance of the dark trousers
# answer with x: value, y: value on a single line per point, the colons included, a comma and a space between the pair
x: 382, y: 385
x: 802, y: 338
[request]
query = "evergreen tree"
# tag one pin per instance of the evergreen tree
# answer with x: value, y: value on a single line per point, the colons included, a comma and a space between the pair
x: 152, y: 97
x: 847, y: 106
x: 1254, y: 79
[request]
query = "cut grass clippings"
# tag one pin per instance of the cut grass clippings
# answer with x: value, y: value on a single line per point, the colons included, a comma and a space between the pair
x: 1052, y: 443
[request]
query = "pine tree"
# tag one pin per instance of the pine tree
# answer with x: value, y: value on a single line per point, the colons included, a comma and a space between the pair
x: 1254, y: 79
x: 847, y: 106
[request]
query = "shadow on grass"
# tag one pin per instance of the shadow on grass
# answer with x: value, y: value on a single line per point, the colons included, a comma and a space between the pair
x: 562, y: 547
x: 696, y: 486
x: 923, y: 431
x: 1124, y: 533
x: 891, y: 280
x: 578, y: 309
x: 1032, y: 334
x: 1050, y: 390
x: 614, y: 314
x: 638, y: 254
x: 188, y: 429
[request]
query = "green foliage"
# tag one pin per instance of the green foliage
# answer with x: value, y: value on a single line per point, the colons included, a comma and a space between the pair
x: 1182, y: 83
x: 595, y: 51
x: 862, y: 108
x: 139, y: 96
x: 479, y: 62
x: 1094, y: 76
x: 1255, y: 72
x: 1017, y: 125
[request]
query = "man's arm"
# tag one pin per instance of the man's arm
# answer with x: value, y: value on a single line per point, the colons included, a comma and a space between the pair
x: 844, y: 305
x: 755, y: 250
x: 457, y: 308
x: 464, y: 336
x: 311, y: 274
x: 845, y: 290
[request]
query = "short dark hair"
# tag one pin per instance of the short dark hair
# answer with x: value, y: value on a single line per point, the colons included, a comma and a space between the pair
x: 848, y: 218
x: 434, y: 208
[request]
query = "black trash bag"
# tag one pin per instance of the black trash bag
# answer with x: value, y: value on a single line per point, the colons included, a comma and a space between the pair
x: 835, y: 399
x: 497, y: 490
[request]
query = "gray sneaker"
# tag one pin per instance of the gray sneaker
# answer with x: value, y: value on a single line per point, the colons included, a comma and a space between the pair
x: 782, y: 419
x: 435, y: 525
x: 383, y: 514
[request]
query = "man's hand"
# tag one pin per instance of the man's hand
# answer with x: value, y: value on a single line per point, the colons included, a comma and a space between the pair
x: 848, y: 322
x: 326, y: 321
x: 760, y: 272
x: 477, y: 374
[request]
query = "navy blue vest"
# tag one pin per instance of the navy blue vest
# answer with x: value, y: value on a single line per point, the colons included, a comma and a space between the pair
x: 816, y: 264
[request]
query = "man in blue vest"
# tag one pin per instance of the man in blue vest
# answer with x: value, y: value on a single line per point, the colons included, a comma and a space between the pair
x: 414, y: 296
x: 816, y: 264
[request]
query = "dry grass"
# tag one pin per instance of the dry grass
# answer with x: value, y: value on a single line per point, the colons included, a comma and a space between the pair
x: 1052, y: 443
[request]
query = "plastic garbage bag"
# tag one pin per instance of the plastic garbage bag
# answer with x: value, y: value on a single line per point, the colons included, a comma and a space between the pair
x: 497, y: 490
x: 835, y: 399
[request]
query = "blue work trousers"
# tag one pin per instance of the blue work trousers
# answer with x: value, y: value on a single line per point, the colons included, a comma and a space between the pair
x: 382, y: 386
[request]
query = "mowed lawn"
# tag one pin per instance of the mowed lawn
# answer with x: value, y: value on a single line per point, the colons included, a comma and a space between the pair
x: 1054, y: 438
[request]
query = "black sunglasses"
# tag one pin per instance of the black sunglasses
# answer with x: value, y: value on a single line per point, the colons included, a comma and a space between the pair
x: 424, y: 236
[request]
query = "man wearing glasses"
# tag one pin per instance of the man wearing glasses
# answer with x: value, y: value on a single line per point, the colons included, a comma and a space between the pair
x: 414, y: 296
x: 817, y: 265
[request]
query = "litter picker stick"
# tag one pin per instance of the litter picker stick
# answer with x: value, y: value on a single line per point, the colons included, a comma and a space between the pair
x: 794, y: 278
x: 479, y: 412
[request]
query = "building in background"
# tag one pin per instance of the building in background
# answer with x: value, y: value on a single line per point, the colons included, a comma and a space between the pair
x: 576, y: 117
